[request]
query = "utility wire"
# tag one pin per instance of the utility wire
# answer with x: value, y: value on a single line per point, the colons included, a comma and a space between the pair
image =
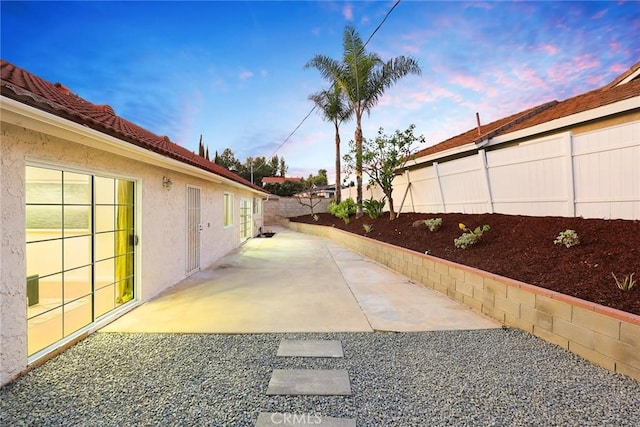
x: 314, y: 107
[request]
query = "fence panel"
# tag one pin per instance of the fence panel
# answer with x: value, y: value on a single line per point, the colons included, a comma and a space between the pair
x: 530, y: 179
x: 463, y: 185
x: 607, y: 171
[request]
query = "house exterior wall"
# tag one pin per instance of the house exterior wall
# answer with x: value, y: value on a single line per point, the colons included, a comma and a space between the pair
x: 160, y: 224
x: 594, y: 173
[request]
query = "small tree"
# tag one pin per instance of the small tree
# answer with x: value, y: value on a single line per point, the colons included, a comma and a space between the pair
x: 382, y: 156
x: 310, y: 198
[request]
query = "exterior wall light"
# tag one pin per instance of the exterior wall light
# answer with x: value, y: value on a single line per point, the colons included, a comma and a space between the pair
x: 166, y: 183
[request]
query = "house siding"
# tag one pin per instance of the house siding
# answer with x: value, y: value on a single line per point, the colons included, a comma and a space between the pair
x: 160, y: 224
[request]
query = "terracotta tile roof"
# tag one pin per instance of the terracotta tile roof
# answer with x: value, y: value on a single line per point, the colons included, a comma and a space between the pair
x: 56, y: 99
x: 545, y: 113
x: 486, y: 131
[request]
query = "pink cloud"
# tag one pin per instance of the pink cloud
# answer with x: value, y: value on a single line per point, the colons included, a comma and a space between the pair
x: 618, y: 68
x: 469, y: 82
x: 599, y: 14
x: 596, y: 80
x: 548, y: 48
x: 530, y: 77
x: 347, y: 12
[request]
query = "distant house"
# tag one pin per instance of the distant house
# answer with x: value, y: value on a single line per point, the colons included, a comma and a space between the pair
x: 279, y: 180
x: 97, y: 216
x: 577, y: 157
x: 321, y: 191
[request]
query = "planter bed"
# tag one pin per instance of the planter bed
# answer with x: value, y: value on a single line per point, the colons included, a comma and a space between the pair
x: 605, y: 336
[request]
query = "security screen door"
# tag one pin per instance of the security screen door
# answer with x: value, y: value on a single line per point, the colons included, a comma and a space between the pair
x: 194, y: 227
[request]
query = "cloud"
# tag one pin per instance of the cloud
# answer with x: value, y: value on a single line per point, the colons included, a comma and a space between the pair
x: 347, y: 12
x: 469, y: 82
x: 618, y: 68
x: 245, y: 74
x: 548, y: 48
x: 599, y: 14
x: 530, y: 77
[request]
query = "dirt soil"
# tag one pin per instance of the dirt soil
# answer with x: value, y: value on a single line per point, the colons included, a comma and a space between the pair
x: 522, y: 248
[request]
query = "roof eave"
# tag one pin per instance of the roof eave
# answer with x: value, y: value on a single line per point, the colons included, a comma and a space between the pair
x: 619, y: 107
x: 21, y: 114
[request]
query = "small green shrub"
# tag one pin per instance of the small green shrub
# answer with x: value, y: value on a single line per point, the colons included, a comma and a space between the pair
x: 343, y: 209
x: 627, y: 284
x: 568, y: 238
x: 469, y: 237
x: 433, y: 223
x: 374, y: 208
x: 368, y: 228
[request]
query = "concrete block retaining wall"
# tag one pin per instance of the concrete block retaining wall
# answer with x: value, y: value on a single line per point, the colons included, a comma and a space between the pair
x: 275, y: 208
x: 604, y: 336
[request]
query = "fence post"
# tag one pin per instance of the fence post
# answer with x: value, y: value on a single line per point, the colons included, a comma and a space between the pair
x: 485, y: 173
x: 570, y: 176
x: 435, y: 167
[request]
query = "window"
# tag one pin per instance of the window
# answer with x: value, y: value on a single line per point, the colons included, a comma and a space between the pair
x: 257, y: 206
x: 227, y: 205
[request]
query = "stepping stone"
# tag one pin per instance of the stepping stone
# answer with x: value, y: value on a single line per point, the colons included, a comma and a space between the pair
x: 321, y: 382
x: 266, y: 419
x: 310, y: 348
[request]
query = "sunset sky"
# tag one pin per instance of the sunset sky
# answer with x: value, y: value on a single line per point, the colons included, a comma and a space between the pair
x: 234, y: 71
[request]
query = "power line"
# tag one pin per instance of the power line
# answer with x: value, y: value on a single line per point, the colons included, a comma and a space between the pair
x: 314, y: 107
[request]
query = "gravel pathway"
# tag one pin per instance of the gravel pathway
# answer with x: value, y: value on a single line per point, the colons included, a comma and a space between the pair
x: 495, y: 377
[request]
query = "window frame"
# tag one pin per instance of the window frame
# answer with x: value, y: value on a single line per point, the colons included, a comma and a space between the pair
x: 228, y: 209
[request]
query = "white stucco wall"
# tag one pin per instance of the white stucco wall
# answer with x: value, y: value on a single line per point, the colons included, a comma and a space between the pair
x: 160, y: 224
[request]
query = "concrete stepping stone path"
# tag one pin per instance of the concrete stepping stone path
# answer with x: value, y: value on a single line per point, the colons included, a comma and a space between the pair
x: 310, y: 348
x: 317, y: 382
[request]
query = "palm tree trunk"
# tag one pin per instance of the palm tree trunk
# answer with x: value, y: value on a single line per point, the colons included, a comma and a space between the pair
x: 358, y: 138
x: 338, y: 195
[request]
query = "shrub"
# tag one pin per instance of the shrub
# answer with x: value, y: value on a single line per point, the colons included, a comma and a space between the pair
x: 367, y: 228
x: 469, y: 237
x: 627, y: 284
x: 373, y: 207
x: 568, y: 238
x: 343, y: 209
x: 433, y: 223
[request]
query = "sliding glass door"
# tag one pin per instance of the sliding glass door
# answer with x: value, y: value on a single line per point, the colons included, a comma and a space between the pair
x: 80, y: 239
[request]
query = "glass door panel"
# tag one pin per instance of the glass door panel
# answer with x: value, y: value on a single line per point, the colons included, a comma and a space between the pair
x: 79, y: 254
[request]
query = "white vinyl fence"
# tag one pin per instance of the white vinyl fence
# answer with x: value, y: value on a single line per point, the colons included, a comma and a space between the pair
x: 592, y: 175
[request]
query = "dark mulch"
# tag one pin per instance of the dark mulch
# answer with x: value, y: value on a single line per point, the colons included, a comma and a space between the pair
x: 522, y: 248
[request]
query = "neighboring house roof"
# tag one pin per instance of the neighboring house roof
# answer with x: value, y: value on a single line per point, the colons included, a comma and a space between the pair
x: 279, y: 179
x: 20, y: 85
x: 624, y: 87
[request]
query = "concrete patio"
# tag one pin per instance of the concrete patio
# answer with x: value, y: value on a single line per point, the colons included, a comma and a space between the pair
x: 298, y: 283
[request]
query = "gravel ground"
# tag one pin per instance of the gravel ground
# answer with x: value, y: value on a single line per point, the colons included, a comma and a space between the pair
x: 496, y: 377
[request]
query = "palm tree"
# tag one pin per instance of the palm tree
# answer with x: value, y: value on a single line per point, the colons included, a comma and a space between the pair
x: 363, y: 77
x: 335, y: 109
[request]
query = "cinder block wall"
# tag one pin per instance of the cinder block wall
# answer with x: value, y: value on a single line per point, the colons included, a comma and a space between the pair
x: 276, y: 208
x: 604, y: 336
